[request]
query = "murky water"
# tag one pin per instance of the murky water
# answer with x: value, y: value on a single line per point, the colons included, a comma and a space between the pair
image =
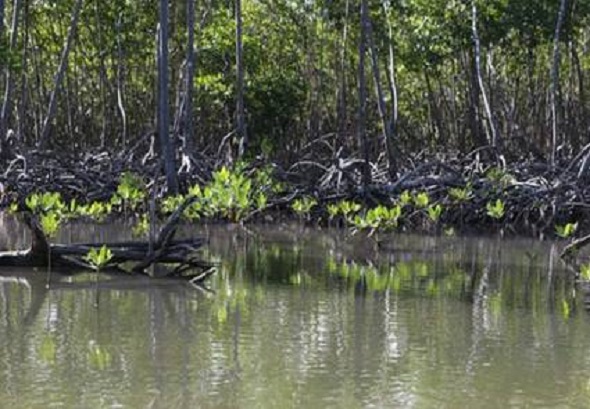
x: 304, y: 319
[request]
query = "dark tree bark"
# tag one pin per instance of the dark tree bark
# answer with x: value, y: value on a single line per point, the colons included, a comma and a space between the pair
x: 190, y: 73
x: 385, y: 122
x: 7, y: 104
x: 342, y: 100
x: 120, y: 90
x: 362, y: 108
x: 493, y: 138
x: 241, y: 131
x: 554, y: 91
x: 166, y: 147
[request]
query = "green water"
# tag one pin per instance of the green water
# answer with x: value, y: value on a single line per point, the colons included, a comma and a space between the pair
x: 304, y: 319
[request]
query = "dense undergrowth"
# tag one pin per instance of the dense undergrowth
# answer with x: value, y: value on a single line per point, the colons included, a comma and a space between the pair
x: 484, y: 204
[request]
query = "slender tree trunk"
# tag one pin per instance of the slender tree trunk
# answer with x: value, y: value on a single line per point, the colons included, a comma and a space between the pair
x: 342, y: 101
x: 494, y: 137
x: 166, y: 147
x: 362, y: 109
x: 103, y: 78
x: 554, y: 90
x: 387, y: 135
x: 391, y: 82
x: 2, y: 10
x: 241, y: 131
x: 63, y: 65
x: 190, y: 73
x: 7, y: 104
x: 22, y: 107
x: 120, y: 90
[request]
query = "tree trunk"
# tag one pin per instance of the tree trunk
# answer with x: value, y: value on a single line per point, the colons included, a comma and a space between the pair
x: 342, y: 100
x: 554, y: 91
x: 494, y: 139
x: 166, y: 148
x: 387, y: 135
x: 7, y: 104
x: 190, y: 73
x: 241, y: 132
x: 120, y: 91
x: 63, y: 65
x: 362, y: 108
x: 2, y: 10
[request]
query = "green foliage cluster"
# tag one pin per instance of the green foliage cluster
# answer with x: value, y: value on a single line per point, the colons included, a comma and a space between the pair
x: 566, y: 230
x: 303, y: 206
x: 99, y: 258
x: 495, y: 209
x: 230, y: 195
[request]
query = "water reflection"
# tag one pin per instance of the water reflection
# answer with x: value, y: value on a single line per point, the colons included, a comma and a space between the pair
x: 306, y: 319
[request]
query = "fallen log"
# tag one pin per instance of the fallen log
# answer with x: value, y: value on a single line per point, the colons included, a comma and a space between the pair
x: 179, y: 256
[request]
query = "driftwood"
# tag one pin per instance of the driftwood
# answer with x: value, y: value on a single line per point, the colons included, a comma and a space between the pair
x: 166, y: 257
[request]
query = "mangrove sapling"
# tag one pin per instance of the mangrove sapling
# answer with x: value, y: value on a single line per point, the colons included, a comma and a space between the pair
x: 377, y: 219
x: 131, y: 191
x: 49, y: 208
x: 434, y: 213
x: 421, y: 200
x: 496, y: 211
x: 333, y: 211
x: 302, y: 207
x: 98, y: 259
x: 405, y: 198
x: 565, y: 231
x: 50, y: 225
x: 460, y: 196
x: 585, y: 272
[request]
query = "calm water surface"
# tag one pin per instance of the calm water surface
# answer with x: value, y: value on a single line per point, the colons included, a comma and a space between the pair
x: 303, y: 319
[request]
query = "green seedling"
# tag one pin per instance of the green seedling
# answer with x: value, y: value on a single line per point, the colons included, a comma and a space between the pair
x: 304, y: 205
x: 131, y: 190
x: 460, y: 194
x: 405, y: 198
x: 434, y: 212
x: 566, y: 230
x: 333, y: 210
x: 98, y: 259
x: 421, y: 200
x: 378, y: 218
x: 495, y: 209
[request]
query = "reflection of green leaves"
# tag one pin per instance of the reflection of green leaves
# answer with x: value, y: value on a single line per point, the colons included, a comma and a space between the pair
x: 142, y: 226
x: 99, y: 357
x: 585, y: 272
x: 565, y: 309
x: 47, y: 349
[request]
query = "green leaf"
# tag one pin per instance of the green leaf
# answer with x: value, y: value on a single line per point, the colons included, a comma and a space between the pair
x: 565, y: 231
x: 421, y: 200
x: 495, y: 209
x: 99, y: 258
x: 50, y: 224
